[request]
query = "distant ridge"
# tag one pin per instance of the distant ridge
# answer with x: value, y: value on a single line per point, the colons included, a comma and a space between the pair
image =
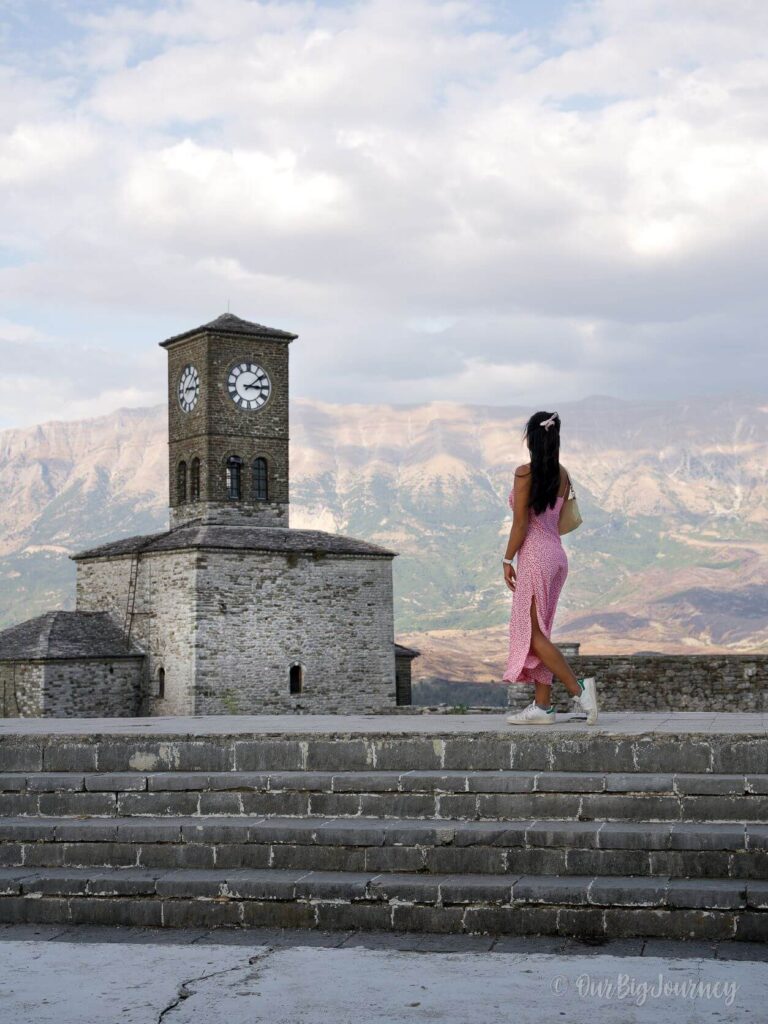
x: 672, y: 556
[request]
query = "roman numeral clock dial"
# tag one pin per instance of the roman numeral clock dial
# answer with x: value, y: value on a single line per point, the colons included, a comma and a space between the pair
x: 249, y: 386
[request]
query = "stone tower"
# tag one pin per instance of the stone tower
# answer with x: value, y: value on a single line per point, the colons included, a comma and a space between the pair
x: 228, y: 423
x: 230, y: 611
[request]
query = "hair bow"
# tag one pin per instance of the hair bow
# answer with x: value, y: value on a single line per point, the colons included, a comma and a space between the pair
x: 548, y: 423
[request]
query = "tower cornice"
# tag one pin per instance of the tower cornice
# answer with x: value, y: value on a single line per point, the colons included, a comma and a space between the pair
x: 230, y: 325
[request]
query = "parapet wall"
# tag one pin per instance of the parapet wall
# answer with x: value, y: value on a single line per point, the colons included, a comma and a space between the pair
x: 674, y: 682
x: 658, y: 682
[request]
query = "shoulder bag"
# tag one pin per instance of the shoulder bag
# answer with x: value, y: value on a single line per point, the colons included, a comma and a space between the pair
x: 570, y: 516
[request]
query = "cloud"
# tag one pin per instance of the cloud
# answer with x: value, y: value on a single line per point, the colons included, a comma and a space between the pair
x: 439, y: 204
x: 32, y: 154
x: 188, y: 184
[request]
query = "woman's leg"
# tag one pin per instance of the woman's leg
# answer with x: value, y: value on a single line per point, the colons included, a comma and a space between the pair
x: 551, y: 657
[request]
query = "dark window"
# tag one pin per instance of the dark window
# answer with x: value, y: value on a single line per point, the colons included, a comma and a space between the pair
x: 234, y: 477
x: 161, y: 682
x: 260, y: 488
x: 181, y: 482
x: 295, y: 678
x: 194, y: 480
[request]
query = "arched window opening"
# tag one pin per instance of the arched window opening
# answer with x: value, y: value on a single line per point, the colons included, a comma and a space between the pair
x: 260, y: 484
x: 161, y: 683
x: 295, y: 678
x: 234, y: 477
x: 181, y: 482
x: 194, y: 480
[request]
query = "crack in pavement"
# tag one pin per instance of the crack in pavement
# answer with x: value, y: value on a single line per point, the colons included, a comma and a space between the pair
x: 184, y: 992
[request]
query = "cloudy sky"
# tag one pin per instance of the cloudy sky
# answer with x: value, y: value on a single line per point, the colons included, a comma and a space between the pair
x: 495, y: 202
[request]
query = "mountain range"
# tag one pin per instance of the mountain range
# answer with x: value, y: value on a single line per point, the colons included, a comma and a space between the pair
x: 672, y: 556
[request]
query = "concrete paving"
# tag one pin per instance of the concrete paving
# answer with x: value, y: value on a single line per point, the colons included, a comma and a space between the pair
x: 625, y: 723
x: 101, y: 976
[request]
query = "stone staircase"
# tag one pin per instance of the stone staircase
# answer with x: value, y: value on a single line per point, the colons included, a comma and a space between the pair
x: 586, y: 833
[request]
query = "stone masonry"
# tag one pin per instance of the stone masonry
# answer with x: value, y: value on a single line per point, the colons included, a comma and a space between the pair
x: 163, y: 620
x: 331, y: 615
x: 216, y: 428
x: 22, y: 687
x: 680, y: 682
x: 225, y: 613
x: 69, y: 664
x: 666, y: 682
x: 229, y: 611
x: 642, y: 825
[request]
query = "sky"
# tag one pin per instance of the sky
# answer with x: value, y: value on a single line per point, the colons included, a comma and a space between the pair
x: 493, y: 202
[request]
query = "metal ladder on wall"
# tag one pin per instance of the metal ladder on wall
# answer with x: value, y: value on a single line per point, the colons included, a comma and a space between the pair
x: 130, y: 603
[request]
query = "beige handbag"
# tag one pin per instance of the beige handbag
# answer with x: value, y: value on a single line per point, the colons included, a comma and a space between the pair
x: 570, y: 517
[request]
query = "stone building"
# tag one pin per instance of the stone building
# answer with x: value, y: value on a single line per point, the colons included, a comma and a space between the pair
x: 231, y: 611
x: 403, y: 658
x: 69, y: 663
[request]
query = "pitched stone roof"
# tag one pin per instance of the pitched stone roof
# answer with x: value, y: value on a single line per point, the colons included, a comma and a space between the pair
x: 406, y: 652
x: 239, y: 538
x: 66, y: 635
x: 228, y: 323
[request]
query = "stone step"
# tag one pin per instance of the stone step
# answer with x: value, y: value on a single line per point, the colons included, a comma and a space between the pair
x: 555, y: 847
x: 580, y: 906
x: 580, y: 748
x: 391, y: 794
x: 414, y: 780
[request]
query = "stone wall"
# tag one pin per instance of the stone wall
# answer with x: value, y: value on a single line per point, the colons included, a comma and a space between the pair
x: 92, y: 688
x: 225, y: 627
x: 21, y: 689
x: 668, y: 682
x: 76, y: 688
x: 163, y: 623
x: 102, y: 586
x: 232, y: 513
x: 261, y: 612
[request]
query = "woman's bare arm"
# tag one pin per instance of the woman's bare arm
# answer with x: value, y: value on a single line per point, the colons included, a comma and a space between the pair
x: 522, y: 491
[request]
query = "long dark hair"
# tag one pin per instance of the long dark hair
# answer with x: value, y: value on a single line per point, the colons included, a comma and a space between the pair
x: 544, y: 446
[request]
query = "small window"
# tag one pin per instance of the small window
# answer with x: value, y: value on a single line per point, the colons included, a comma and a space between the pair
x: 161, y: 683
x: 295, y: 678
x: 194, y: 480
x: 181, y: 482
x: 234, y: 477
x: 260, y: 487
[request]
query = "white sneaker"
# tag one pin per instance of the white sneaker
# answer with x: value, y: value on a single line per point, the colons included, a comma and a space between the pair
x: 533, y: 715
x: 577, y: 711
x: 588, y: 699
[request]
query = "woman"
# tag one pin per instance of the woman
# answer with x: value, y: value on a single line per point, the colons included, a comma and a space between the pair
x: 537, y: 497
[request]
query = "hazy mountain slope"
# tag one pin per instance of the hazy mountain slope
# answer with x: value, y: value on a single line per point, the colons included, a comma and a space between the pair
x: 67, y: 485
x: 673, y: 554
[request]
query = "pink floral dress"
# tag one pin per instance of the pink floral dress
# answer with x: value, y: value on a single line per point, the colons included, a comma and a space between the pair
x: 542, y: 568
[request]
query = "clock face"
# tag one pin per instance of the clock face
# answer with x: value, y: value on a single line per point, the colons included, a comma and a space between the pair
x: 249, y: 386
x: 189, y: 388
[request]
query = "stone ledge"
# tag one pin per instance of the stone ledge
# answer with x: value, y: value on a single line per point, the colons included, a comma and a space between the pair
x: 467, y: 783
x: 367, y: 799
x: 295, y: 747
x: 577, y: 920
x: 357, y: 831
x: 386, y: 724
x: 443, y: 890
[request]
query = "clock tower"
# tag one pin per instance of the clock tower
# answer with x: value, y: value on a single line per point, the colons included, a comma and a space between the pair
x: 228, y: 423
